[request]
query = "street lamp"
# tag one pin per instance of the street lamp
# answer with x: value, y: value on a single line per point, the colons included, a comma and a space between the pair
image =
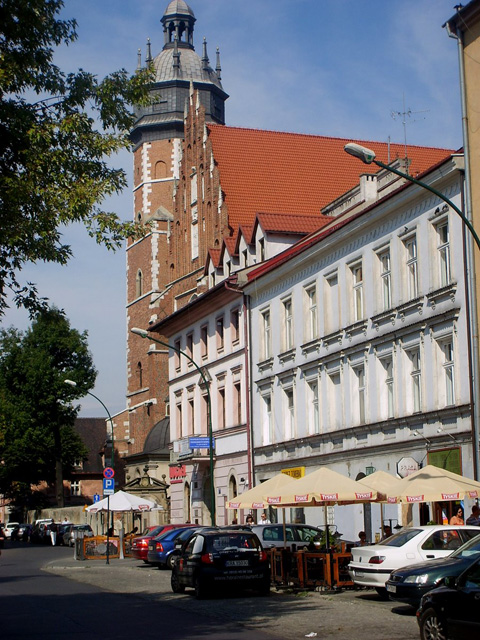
x: 144, y: 334
x: 72, y: 383
x: 367, y: 156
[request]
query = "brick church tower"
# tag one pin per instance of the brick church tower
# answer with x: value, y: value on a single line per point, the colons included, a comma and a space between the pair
x: 157, y: 136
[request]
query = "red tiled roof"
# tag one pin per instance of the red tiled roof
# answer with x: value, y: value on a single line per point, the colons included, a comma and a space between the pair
x: 271, y: 171
x: 286, y: 223
x: 214, y: 255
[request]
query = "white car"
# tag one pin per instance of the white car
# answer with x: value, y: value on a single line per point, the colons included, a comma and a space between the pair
x: 371, y: 565
x: 9, y: 527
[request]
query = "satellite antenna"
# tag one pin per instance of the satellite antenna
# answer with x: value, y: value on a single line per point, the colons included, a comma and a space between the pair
x: 406, y: 113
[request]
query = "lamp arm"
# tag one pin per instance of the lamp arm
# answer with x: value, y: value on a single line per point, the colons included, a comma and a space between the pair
x: 434, y: 191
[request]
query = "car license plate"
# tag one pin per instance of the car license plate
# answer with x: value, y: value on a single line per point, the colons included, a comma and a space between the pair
x: 150, y: 547
x: 357, y: 573
x: 236, y: 563
x: 391, y: 588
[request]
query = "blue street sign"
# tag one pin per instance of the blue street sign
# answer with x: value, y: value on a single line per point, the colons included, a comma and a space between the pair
x: 108, y: 486
x: 96, y: 497
x: 200, y: 443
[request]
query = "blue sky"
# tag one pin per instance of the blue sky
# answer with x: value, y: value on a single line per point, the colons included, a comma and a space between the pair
x: 327, y: 67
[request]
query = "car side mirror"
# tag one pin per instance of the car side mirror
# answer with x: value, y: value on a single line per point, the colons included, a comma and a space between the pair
x: 450, y: 582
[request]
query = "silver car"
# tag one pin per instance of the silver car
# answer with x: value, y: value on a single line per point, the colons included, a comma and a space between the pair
x: 271, y: 535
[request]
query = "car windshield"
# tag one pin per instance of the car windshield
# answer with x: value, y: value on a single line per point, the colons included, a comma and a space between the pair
x: 401, y: 538
x: 231, y: 542
x: 470, y: 549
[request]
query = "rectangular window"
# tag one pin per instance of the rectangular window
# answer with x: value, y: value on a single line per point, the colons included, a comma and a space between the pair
x: 412, y: 267
x: 448, y: 370
x: 287, y: 324
x: 289, y: 414
x: 221, y: 408
x: 189, y: 347
x: 235, y: 325
x: 220, y: 333
x: 75, y: 488
x: 194, y: 239
x: 267, y: 419
x: 179, y: 419
x: 386, y: 279
x: 331, y: 303
x: 416, y: 379
x: 389, y: 387
x: 334, y: 404
x: 313, y: 408
x: 245, y: 257
x: 177, y: 359
x: 204, y: 340
x: 266, y: 345
x: 261, y: 247
x: 204, y: 428
x: 191, y: 417
x: 237, y: 402
x: 311, y: 317
x: 443, y: 249
x: 357, y: 291
x: 360, y: 374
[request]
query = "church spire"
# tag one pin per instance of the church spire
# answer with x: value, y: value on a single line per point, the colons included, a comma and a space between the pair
x: 218, y: 68
x: 205, y: 60
x: 148, y: 57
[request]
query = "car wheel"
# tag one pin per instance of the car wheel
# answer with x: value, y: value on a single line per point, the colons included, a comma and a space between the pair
x: 171, y: 561
x: 264, y: 589
x: 176, y: 586
x: 200, y: 590
x: 382, y: 592
x: 432, y: 627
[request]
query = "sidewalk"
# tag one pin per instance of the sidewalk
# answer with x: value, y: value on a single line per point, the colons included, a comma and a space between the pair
x: 339, y: 616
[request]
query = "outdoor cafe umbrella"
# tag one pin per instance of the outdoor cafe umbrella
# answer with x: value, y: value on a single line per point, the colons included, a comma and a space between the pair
x: 433, y: 484
x: 264, y: 494
x: 123, y: 501
x: 384, y: 484
x: 325, y: 487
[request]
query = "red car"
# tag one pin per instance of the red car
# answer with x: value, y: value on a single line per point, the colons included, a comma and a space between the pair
x: 139, y: 548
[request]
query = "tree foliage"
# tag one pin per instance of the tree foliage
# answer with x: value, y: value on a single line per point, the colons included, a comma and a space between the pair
x: 36, y: 415
x: 57, y: 131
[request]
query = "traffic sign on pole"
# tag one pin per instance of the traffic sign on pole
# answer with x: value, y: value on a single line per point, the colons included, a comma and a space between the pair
x: 108, y: 472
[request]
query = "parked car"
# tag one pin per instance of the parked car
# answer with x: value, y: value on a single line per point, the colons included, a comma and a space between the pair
x: 271, y: 535
x: 19, y: 532
x: 409, y: 584
x: 161, y: 550
x: 69, y: 533
x: 139, y: 548
x: 221, y: 559
x: 451, y: 612
x: 9, y: 527
x: 372, y: 565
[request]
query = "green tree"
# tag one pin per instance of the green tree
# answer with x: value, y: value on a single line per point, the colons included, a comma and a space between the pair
x: 37, y: 439
x: 57, y: 131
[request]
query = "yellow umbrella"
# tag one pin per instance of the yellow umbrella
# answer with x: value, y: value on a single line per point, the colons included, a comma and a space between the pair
x: 264, y: 494
x: 325, y: 487
x: 382, y: 482
x: 432, y: 484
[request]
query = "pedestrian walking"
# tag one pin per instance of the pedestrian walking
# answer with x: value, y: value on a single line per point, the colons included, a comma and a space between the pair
x: 53, y: 533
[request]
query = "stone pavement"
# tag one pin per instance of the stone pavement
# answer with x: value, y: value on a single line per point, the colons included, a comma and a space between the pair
x: 345, y: 615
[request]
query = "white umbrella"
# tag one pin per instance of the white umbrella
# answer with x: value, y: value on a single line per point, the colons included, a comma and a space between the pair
x: 123, y: 501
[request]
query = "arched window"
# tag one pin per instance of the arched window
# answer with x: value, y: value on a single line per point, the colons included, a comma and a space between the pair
x: 232, y: 494
x: 140, y: 375
x: 139, y: 283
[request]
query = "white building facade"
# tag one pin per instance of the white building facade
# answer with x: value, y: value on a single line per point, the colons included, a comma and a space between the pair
x: 359, y: 345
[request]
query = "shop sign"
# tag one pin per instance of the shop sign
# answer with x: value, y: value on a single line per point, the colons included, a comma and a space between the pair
x: 177, y: 473
x: 407, y: 466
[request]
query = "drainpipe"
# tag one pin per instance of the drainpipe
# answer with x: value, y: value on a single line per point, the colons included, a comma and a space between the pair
x: 470, y: 264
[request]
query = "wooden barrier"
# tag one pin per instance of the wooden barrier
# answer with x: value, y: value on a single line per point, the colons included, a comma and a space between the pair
x: 309, y: 569
x: 95, y: 548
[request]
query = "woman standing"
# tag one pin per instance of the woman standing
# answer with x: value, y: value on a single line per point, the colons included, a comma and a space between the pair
x: 458, y: 519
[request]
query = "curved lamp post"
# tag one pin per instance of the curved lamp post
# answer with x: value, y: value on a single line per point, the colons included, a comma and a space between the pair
x: 144, y: 334
x: 367, y: 156
x: 72, y: 383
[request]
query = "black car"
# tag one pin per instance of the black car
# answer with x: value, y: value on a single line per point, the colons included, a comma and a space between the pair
x: 451, y: 612
x: 410, y: 583
x: 221, y: 559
